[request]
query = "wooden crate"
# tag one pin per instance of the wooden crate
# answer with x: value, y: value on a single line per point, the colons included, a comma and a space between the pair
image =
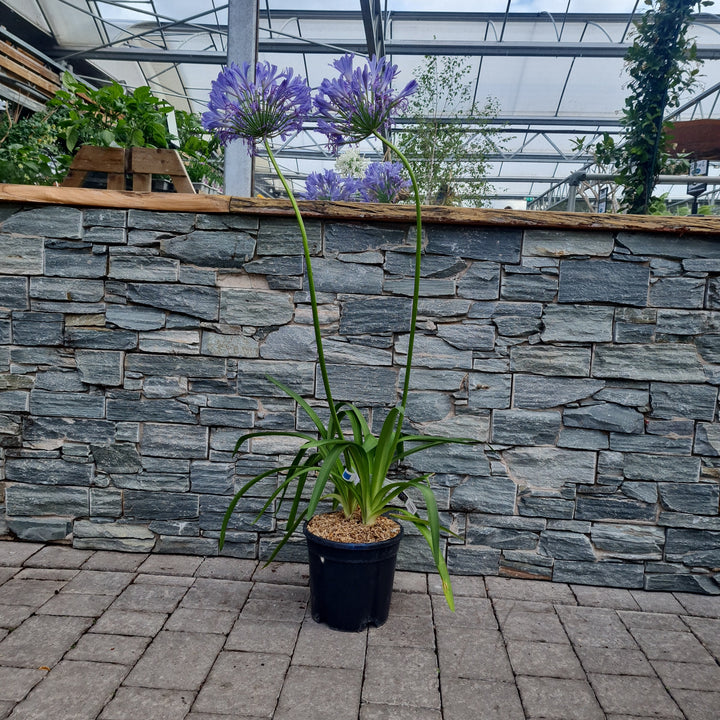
x: 141, y: 163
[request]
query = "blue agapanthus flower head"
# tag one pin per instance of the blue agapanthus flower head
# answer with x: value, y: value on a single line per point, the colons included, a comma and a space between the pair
x: 330, y: 185
x: 274, y: 104
x: 360, y: 101
x: 384, y: 183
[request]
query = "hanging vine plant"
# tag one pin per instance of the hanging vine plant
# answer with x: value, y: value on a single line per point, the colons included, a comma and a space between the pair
x: 662, y: 64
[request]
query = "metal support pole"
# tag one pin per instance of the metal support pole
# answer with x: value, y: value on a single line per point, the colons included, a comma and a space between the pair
x: 573, y: 184
x: 242, y: 48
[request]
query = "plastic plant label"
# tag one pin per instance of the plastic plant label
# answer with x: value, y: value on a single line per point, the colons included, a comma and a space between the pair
x: 410, y: 506
x: 350, y: 476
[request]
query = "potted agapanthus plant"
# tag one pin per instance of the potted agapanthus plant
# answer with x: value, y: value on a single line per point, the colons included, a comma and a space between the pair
x: 343, y: 461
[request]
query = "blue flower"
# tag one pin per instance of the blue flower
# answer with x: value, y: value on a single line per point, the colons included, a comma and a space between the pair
x: 274, y: 104
x: 384, y: 183
x: 329, y: 185
x: 360, y: 102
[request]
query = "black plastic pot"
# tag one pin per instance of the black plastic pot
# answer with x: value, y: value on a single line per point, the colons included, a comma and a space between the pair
x: 351, y: 583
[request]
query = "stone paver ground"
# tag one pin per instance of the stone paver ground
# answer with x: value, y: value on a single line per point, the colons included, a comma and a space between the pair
x: 111, y: 636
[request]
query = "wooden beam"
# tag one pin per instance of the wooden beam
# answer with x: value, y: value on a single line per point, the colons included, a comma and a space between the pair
x: 86, y: 197
x: 32, y: 63
x: 360, y: 212
x: 30, y: 76
x: 446, y: 215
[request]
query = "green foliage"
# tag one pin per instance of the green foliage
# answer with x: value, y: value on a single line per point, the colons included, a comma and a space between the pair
x: 110, y: 117
x: 29, y: 151
x: 322, y: 459
x: 450, y: 157
x: 200, y: 151
x: 34, y: 149
x: 662, y: 65
x: 316, y: 473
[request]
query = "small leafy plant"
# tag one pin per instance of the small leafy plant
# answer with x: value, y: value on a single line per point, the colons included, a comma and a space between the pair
x: 29, y: 151
x: 110, y: 117
x: 344, y: 462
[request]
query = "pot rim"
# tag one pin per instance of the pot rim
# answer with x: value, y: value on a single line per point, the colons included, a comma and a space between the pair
x: 379, y: 544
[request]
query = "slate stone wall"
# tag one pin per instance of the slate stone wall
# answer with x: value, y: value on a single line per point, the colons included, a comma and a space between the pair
x: 134, y: 347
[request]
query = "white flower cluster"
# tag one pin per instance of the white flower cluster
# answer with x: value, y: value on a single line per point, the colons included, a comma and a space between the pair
x: 351, y: 163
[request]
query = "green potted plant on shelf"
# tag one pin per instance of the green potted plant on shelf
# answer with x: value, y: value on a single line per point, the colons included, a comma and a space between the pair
x: 108, y: 116
x: 343, y: 461
x: 200, y: 152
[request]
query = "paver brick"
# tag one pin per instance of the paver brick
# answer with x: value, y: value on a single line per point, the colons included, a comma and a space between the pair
x: 559, y: 698
x: 613, y: 661
x: 194, y: 619
x: 101, y: 583
x: 13, y: 615
x: 673, y: 646
x: 481, y: 700
x: 410, y: 582
x: 215, y: 594
x: 110, y: 560
x: 55, y: 556
x: 99, y: 647
x: 533, y: 590
x: 284, y: 593
x: 708, y: 631
x: 283, y: 573
x: 688, y: 676
x: 224, y: 568
x: 74, y: 690
x: 462, y: 585
x: 618, y: 598
x: 374, y: 711
x: 404, y: 631
x: 476, y: 653
x: 698, y: 705
x: 171, y: 564
x: 130, y: 622
x: 416, y: 685
x: 16, y: 683
x: 184, y: 581
x: 469, y: 612
x: 150, y: 598
x: 240, y: 681
x: 37, y: 573
x: 701, y: 605
x: 553, y: 660
x: 263, y: 636
x: 599, y: 627
x: 7, y: 572
x: 658, y: 602
x: 410, y: 604
x: 279, y: 610
x: 76, y: 604
x: 33, y: 593
x: 194, y: 653
x: 318, y: 645
x: 313, y: 692
x: 529, y: 621
x: 14, y: 554
x: 651, y: 621
x: 42, y: 640
x: 148, y: 704
x: 633, y: 695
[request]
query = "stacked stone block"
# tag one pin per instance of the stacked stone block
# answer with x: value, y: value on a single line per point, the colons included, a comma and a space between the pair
x: 136, y: 348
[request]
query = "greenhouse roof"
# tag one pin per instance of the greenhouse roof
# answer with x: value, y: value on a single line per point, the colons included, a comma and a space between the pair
x: 554, y: 67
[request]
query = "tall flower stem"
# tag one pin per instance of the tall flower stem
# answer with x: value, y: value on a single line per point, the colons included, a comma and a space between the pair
x: 335, y: 423
x: 416, y: 282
